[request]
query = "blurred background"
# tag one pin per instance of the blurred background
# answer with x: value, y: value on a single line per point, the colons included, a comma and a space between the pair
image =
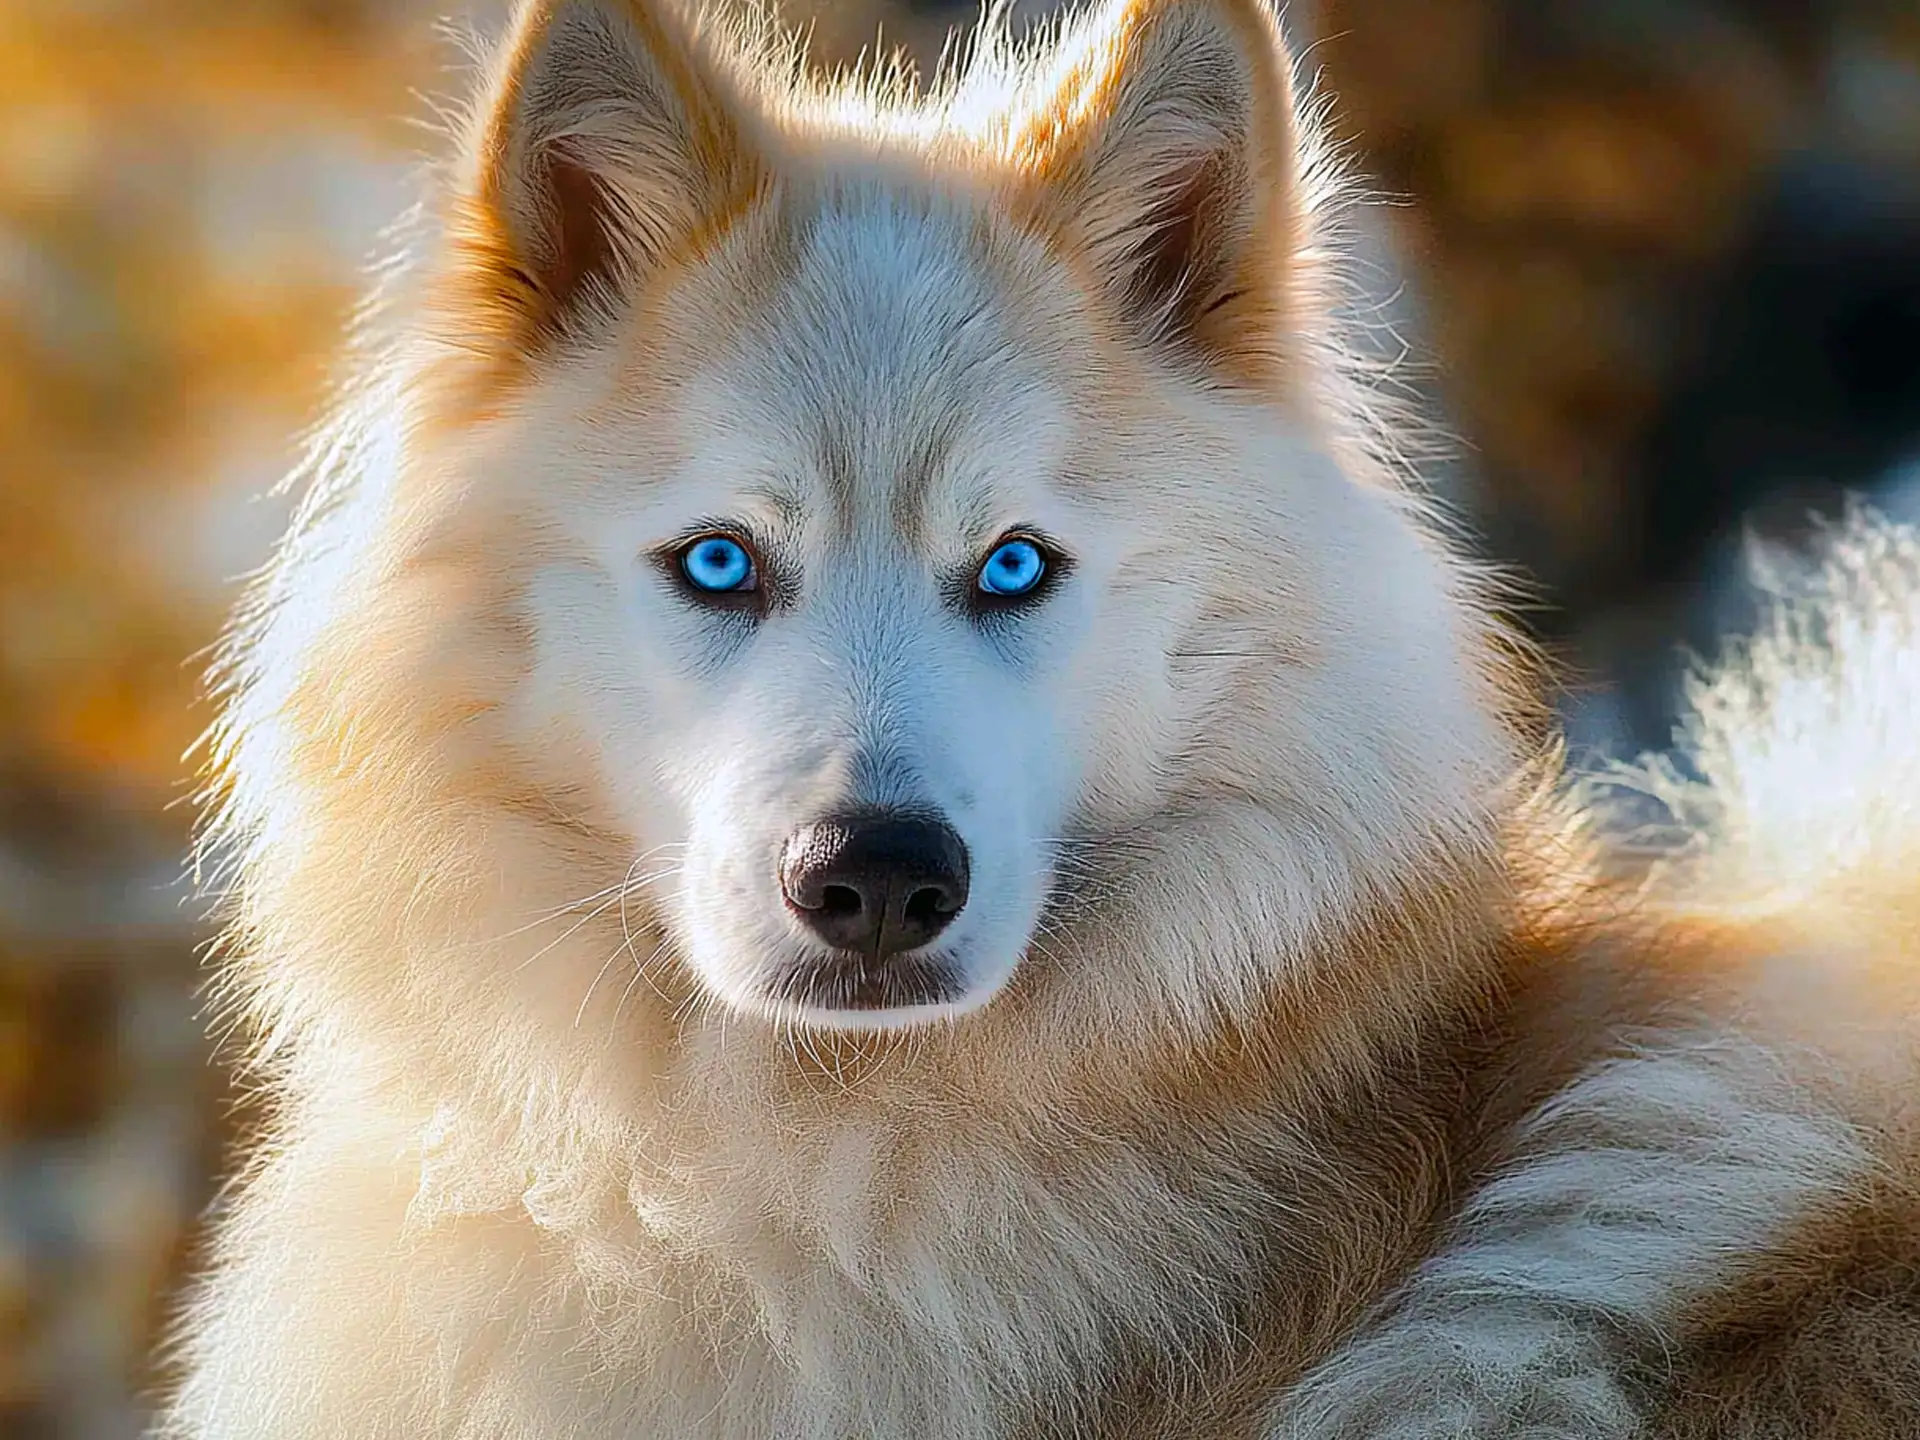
x: 1658, y: 262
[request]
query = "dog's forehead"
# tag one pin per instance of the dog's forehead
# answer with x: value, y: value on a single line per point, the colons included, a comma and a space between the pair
x: 893, y: 356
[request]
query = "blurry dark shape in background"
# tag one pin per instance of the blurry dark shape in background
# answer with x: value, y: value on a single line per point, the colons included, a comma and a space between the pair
x: 1803, y: 387
x: 1670, y: 251
x: 1662, y: 256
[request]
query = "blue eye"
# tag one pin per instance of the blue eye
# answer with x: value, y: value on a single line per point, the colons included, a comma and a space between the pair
x: 718, y: 565
x: 1015, y: 568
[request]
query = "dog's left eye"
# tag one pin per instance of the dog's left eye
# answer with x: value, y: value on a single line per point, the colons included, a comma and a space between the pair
x: 1015, y: 568
x: 718, y: 565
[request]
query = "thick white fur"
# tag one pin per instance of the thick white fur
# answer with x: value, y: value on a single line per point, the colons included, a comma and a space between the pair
x: 1793, y: 803
x: 502, y: 814
x: 1639, y: 1188
x: 1806, y: 806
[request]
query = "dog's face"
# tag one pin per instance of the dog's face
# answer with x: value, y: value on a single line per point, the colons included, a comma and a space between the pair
x: 823, y: 605
x: 864, y: 598
x: 896, y: 522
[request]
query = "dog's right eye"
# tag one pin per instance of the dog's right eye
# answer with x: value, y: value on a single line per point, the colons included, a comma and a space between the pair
x: 1015, y: 568
x: 718, y: 565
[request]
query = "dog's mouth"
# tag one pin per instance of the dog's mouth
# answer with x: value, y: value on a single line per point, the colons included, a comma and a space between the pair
x: 849, y: 989
x: 813, y: 971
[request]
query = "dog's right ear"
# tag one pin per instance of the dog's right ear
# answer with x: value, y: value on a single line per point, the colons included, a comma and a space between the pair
x: 607, y: 146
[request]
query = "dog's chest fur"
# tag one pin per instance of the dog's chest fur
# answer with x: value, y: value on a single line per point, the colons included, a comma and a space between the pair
x: 894, y: 1263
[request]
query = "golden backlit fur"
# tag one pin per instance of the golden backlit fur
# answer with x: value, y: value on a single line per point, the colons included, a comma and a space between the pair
x: 1317, y: 1059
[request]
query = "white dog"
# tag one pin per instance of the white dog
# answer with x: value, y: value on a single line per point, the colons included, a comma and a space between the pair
x: 866, y: 807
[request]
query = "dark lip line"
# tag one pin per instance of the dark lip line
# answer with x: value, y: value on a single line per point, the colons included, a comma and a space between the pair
x: 810, y: 983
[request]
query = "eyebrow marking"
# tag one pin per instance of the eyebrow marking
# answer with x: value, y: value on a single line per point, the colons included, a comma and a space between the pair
x: 839, y: 472
x: 913, y: 485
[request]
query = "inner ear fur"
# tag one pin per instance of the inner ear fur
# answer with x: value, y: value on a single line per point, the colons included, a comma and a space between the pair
x: 610, y: 144
x: 1160, y: 141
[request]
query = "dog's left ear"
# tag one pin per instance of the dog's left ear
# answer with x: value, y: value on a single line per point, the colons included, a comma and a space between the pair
x: 1163, y: 145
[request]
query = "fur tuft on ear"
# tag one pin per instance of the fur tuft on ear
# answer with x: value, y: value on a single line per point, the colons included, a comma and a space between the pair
x: 1161, y: 141
x: 606, y: 147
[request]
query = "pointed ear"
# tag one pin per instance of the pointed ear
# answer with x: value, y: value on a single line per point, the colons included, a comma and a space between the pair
x: 607, y: 146
x: 1163, y: 145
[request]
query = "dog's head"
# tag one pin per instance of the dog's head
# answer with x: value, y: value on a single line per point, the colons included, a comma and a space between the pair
x: 906, y: 535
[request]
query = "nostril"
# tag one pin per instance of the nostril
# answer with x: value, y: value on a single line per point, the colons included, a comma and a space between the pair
x: 840, y: 900
x: 931, y: 904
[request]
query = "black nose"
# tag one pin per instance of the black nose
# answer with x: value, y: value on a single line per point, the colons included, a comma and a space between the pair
x: 875, y: 883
